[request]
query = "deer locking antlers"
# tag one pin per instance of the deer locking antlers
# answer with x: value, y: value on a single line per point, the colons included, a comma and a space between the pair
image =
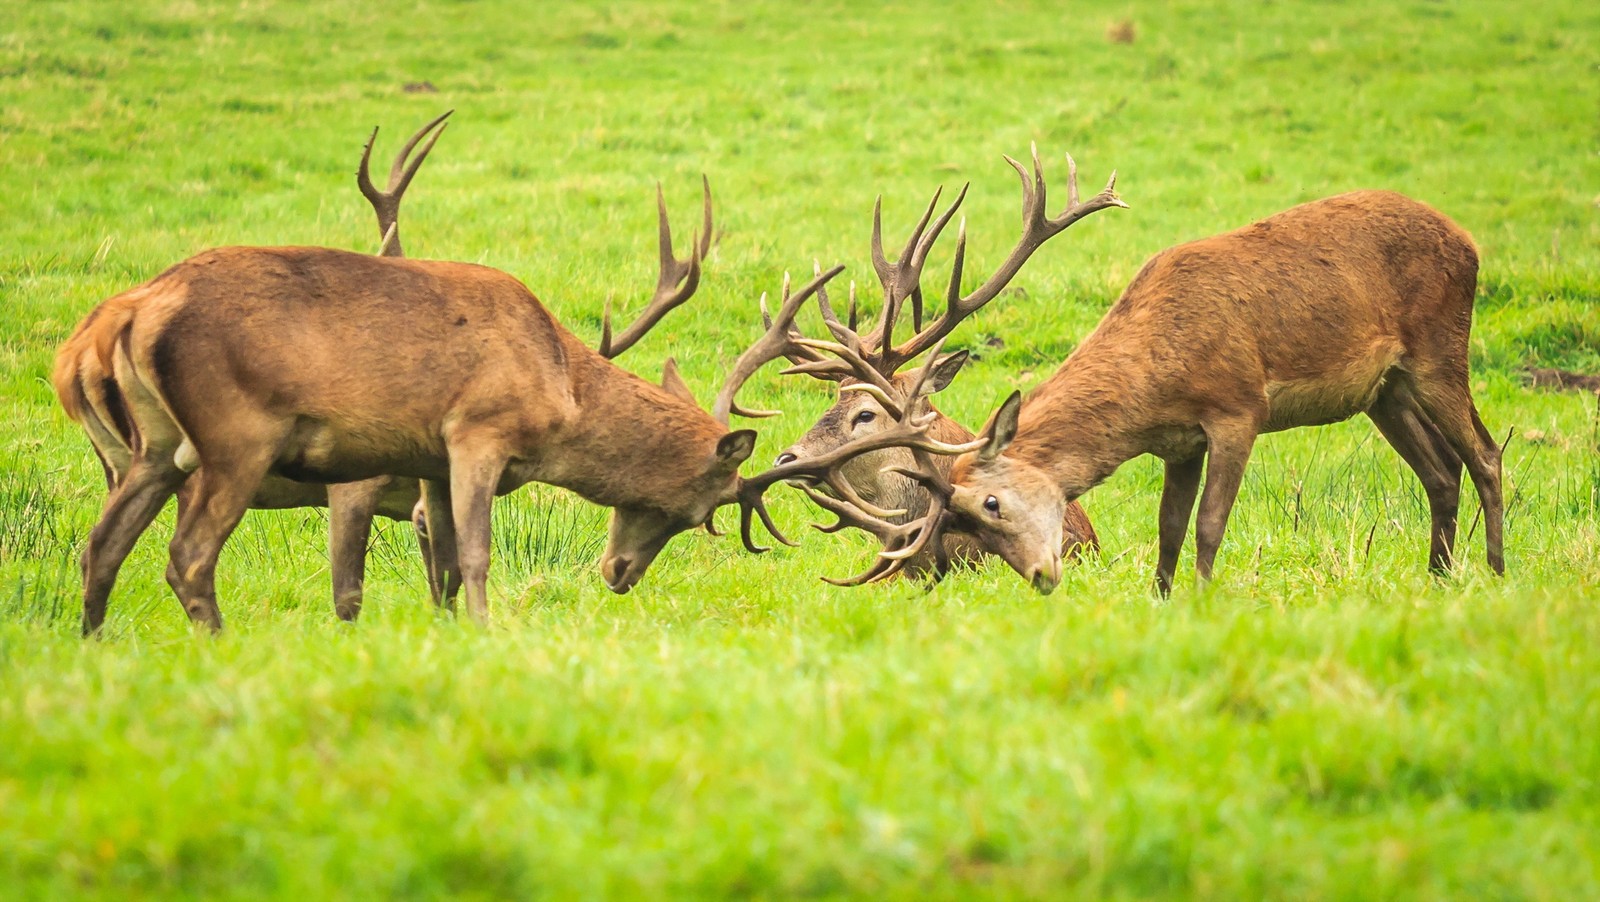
x: 870, y: 365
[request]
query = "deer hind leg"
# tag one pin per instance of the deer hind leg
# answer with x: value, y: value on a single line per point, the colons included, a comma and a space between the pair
x: 1178, y: 491
x: 1447, y: 402
x: 1420, y: 444
x: 474, y: 474
x: 434, y: 522
x: 127, y: 514
x: 222, y: 492
x: 351, y: 507
x: 419, y: 528
x: 1228, y: 446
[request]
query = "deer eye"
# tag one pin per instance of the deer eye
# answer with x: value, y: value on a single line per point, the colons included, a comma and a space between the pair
x: 991, y: 504
x: 865, y: 416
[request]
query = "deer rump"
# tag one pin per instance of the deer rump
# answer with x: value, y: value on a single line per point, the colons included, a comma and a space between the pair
x: 350, y: 365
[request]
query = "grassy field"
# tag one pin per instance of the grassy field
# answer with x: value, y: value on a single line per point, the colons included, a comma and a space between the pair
x: 1324, y: 721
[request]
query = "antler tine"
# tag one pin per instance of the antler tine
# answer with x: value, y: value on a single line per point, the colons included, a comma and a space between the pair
x: 770, y: 346
x: 386, y: 203
x: 859, y: 366
x: 902, y: 541
x: 892, y: 275
x: 402, y: 171
x: 675, y: 284
x: 1037, y: 228
x: 921, y: 255
x: 390, y: 247
x: 850, y: 516
x: 880, y: 263
x: 901, y: 278
x: 907, y: 273
x: 921, y: 381
x: 703, y: 246
x: 806, y: 360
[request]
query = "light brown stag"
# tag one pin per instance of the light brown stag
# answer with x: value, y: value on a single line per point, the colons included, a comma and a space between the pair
x: 1356, y: 303
x: 879, y: 477
x: 89, y: 393
x: 328, y: 366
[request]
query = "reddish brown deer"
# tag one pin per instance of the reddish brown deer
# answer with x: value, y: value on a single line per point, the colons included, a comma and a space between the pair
x: 878, y: 477
x: 91, y: 397
x: 257, y: 361
x: 1351, y: 304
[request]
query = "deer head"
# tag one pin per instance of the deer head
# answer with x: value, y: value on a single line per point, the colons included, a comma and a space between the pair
x: 1007, y: 507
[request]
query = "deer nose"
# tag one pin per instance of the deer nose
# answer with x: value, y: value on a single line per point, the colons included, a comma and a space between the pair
x: 786, y: 457
x: 1046, y: 578
x: 617, y: 580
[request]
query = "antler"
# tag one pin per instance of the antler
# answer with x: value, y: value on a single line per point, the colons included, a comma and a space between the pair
x: 386, y: 203
x: 910, y: 430
x: 776, y: 342
x: 901, y: 278
x: 1037, y: 228
x: 807, y: 360
x: 676, y: 283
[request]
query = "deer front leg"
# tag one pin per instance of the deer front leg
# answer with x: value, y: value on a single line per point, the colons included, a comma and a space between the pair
x: 1178, y: 491
x: 351, y: 507
x: 473, y: 477
x: 1228, y: 445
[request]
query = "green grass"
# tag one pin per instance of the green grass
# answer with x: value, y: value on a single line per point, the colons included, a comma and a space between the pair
x: 1324, y: 721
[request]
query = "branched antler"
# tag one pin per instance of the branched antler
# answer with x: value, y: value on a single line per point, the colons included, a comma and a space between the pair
x: 776, y: 342
x: 386, y: 203
x: 910, y: 430
x: 676, y: 283
x: 901, y: 278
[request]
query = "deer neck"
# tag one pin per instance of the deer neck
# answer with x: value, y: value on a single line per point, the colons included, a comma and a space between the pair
x: 627, y: 442
x: 1083, y: 422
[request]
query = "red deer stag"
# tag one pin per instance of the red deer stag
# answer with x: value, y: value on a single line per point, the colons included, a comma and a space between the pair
x: 1356, y: 303
x: 254, y: 361
x: 877, y: 477
x: 90, y: 395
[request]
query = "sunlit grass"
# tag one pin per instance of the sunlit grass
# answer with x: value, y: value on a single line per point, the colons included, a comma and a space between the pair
x: 1324, y: 721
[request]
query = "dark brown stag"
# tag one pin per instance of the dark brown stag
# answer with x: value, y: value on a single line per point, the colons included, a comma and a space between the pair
x: 1356, y: 303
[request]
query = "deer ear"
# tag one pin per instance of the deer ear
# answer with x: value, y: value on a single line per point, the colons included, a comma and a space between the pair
x: 1002, y: 428
x: 673, y: 383
x: 944, y: 372
x: 735, y: 448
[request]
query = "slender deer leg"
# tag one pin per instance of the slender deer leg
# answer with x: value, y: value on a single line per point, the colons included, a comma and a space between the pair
x: 1420, y: 446
x: 1448, y: 404
x: 351, y: 507
x: 473, y: 478
x: 220, y: 499
x: 1228, y: 450
x: 128, y: 513
x: 419, y: 527
x: 444, y: 571
x: 1178, y: 491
